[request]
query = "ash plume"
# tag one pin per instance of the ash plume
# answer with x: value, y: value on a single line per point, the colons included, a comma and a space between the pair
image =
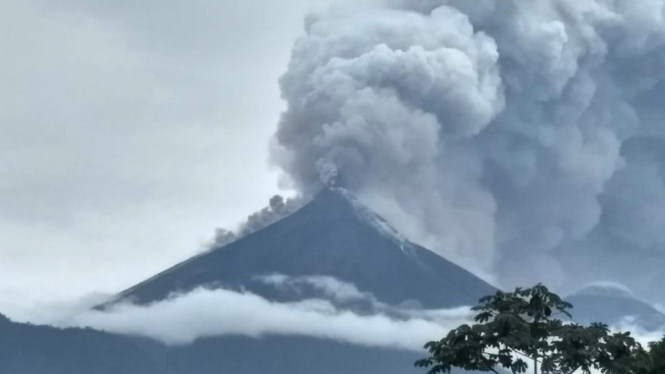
x: 277, y: 208
x: 524, y: 139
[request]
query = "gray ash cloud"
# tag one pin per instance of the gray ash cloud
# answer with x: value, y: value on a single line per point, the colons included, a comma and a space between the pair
x: 504, y: 134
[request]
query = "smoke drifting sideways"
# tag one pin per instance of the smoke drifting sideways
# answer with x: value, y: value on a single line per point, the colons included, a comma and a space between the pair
x: 277, y: 209
x: 519, y: 138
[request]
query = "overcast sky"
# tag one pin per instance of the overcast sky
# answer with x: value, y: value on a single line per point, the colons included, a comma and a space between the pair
x: 130, y: 130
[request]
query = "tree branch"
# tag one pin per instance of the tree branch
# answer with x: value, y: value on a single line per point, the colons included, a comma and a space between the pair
x: 488, y: 365
x: 574, y: 370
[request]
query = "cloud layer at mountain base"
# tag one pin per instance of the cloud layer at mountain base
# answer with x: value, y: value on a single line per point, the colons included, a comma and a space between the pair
x: 203, y: 312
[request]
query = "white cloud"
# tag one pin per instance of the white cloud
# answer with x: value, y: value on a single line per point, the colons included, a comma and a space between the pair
x: 205, y: 313
x: 330, y: 287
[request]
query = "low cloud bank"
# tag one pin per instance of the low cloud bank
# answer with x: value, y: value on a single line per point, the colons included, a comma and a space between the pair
x: 208, y: 313
x: 205, y: 312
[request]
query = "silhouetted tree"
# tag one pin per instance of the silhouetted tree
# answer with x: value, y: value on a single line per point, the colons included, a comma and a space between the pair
x: 650, y: 361
x: 515, y: 329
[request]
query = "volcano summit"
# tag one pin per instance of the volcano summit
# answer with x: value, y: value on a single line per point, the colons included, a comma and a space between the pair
x: 336, y: 236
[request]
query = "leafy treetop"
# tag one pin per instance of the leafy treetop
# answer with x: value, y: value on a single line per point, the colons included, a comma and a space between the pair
x: 515, y: 329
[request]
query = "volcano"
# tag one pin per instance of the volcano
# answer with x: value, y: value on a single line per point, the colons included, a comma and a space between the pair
x: 333, y: 235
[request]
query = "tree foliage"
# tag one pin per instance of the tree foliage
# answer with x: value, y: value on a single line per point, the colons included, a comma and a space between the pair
x: 516, y: 329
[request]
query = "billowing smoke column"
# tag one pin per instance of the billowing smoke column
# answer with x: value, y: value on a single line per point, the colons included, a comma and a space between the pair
x: 522, y: 138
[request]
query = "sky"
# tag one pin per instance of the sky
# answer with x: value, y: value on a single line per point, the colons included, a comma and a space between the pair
x: 129, y: 132
x: 523, y: 140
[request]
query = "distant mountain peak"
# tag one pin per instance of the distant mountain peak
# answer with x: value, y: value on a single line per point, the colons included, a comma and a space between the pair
x: 613, y: 303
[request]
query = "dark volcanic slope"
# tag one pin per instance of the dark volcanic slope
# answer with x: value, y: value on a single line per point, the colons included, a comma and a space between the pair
x: 335, y: 236
x: 29, y: 349
x: 611, y: 305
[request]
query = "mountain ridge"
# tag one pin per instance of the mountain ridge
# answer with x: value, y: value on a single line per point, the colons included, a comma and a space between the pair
x: 31, y: 349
